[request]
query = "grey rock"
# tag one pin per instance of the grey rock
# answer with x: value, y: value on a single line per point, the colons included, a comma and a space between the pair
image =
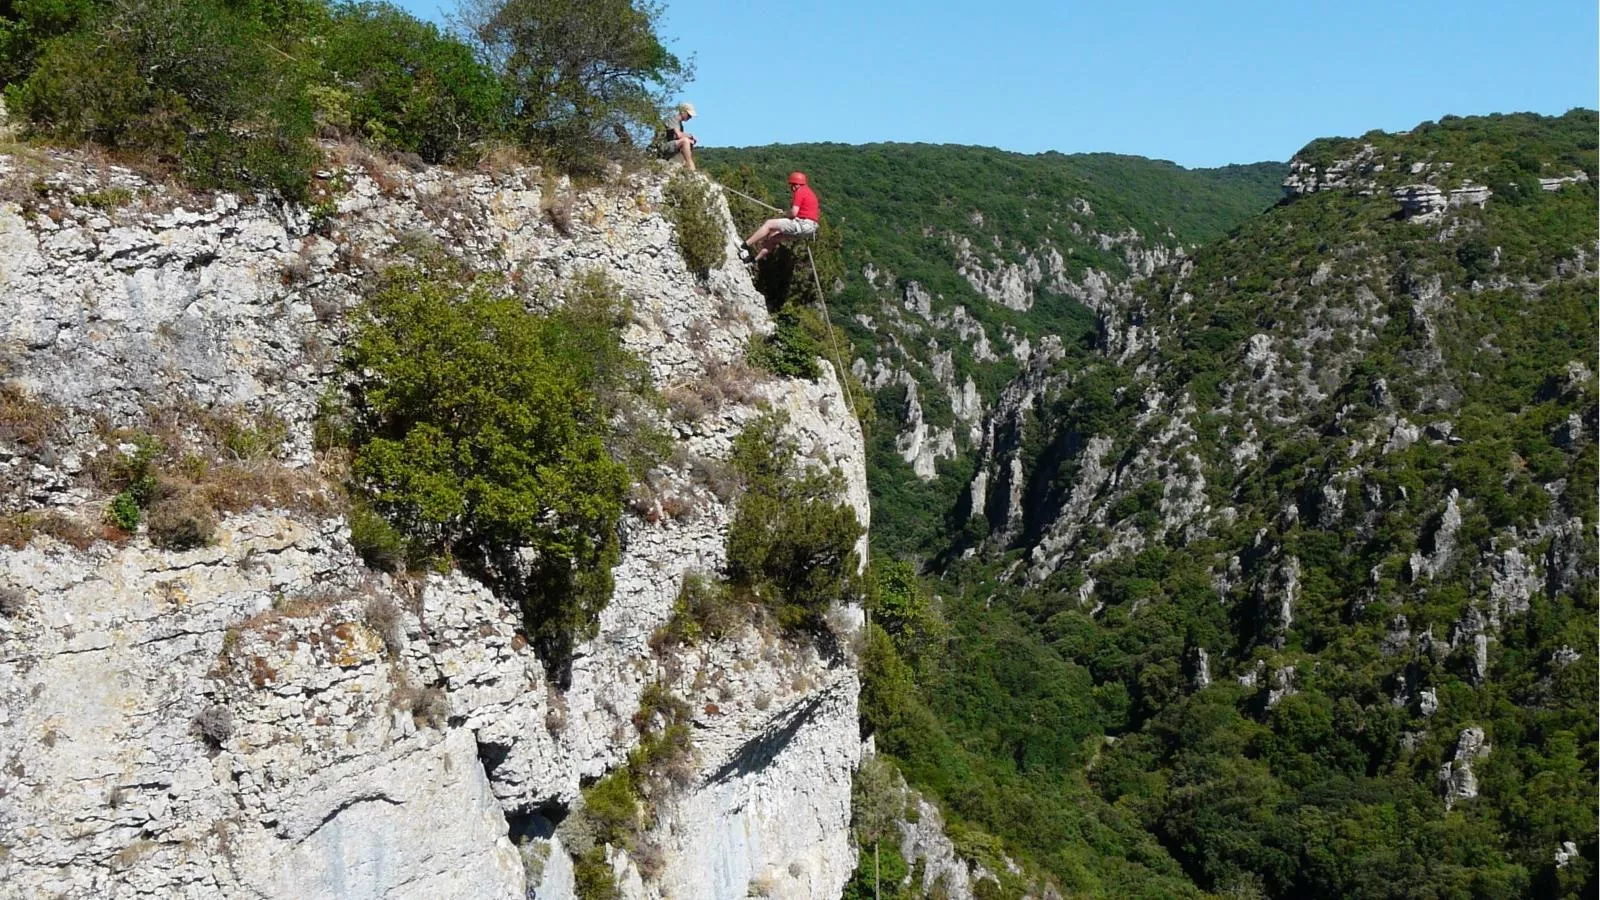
x: 360, y: 763
x: 1456, y: 779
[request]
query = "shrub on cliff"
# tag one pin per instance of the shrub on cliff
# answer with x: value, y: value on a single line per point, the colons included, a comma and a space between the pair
x: 701, y: 236
x: 485, y: 431
x: 401, y: 84
x: 791, y: 350
x: 196, y: 82
x: 791, y: 546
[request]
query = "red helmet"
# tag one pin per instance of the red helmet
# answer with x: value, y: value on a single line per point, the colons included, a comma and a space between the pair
x: 797, y: 178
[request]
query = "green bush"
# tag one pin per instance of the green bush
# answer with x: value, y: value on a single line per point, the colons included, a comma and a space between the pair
x: 379, y: 544
x: 704, y: 609
x: 27, y: 25
x: 592, y: 877
x: 701, y: 236
x: 485, y: 431
x: 608, y: 815
x: 403, y: 85
x: 791, y: 350
x: 197, y: 82
x: 791, y: 546
x: 124, y: 512
x: 664, y: 750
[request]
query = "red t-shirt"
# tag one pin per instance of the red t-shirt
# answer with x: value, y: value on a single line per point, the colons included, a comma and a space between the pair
x: 807, y: 202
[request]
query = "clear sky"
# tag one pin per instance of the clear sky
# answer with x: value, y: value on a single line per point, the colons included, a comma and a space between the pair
x: 1201, y: 83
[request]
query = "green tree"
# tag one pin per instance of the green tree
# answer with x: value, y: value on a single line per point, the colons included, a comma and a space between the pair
x: 403, y: 85
x: 195, y: 82
x: 582, y: 75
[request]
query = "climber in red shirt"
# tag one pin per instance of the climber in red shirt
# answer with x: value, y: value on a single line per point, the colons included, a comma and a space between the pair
x: 801, y: 222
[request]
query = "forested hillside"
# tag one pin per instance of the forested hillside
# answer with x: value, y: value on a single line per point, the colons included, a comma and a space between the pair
x: 954, y: 264
x: 1286, y: 586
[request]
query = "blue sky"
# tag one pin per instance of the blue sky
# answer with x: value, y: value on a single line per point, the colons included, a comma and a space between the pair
x: 1199, y: 83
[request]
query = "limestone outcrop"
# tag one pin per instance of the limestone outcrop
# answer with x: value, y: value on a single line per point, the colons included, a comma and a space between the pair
x: 264, y: 716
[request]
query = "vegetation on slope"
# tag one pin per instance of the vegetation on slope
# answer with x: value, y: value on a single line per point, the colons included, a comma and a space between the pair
x: 902, y: 208
x: 1310, y: 764
x: 229, y: 94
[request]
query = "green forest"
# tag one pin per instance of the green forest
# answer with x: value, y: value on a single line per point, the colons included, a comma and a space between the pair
x: 1083, y: 740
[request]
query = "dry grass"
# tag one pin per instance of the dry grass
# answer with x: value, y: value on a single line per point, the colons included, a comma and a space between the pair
x: 499, y: 159
x: 350, y: 153
x: 206, y: 464
x: 181, y: 517
x: 429, y: 707
x: 447, y: 204
x: 12, y: 601
x: 558, y: 211
x: 735, y: 382
x: 687, y: 403
x: 721, y: 478
x: 17, y: 529
x: 237, y: 486
x: 383, y: 617
x: 214, y: 725
x: 134, y: 853
x: 678, y: 506
x: 26, y: 421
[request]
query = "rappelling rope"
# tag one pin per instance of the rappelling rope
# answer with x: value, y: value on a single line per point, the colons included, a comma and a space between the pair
x: 827, y: 320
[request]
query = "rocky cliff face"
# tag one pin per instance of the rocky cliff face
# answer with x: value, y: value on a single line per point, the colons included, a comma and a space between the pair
x: 265, y: 716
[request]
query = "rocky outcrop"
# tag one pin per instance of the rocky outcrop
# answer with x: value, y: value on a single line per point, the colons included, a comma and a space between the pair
x: 1456, y: 778
x: 264, y: 716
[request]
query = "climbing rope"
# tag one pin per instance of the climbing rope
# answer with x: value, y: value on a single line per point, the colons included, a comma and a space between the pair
x: 827, y: 320
x: 750, y: 198
x: 844, y: 386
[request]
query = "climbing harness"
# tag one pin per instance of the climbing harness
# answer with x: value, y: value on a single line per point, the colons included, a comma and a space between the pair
x: 827, y: 320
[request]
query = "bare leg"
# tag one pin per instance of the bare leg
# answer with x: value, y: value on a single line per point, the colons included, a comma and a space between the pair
x: 770, y: 243
x: 767, y: 229
x: 685, y: 150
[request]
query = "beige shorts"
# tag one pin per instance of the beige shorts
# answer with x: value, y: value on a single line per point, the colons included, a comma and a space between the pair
x: 797, y: 227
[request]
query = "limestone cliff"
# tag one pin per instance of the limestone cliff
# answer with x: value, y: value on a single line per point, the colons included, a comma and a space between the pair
x: 265, y: 716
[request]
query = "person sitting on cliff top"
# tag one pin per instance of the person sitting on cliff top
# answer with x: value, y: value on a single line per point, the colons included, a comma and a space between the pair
x: 800, y: 223
x: 673, y: 140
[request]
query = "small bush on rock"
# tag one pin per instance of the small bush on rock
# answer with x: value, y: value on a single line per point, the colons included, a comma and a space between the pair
x: 791, y: 546
x: 124, y: 512
x: 383, y: 616
x: 180, y: 518
x: 379, y: 544
x: 12, y: 601
x: 704, y: 609
x: 214, y: 724
x: 701, y: 236
x: 791, y: 350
